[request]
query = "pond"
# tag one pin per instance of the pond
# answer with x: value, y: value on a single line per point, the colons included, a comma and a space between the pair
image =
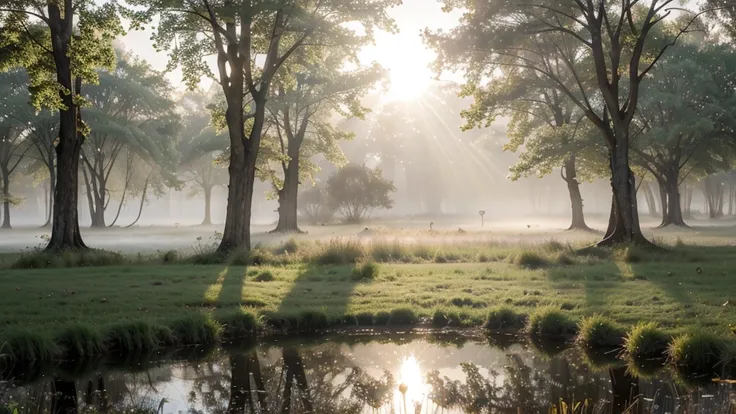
x: 362, y: 373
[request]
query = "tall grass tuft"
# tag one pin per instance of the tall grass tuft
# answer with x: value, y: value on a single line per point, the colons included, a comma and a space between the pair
x: 339, y: 252
x: 195, y: 330
x: 27, y: 346
x: 504, y: 318
x: 366, y: 271
x: 645, y: 341
x: 80, y: 340
x: 698, y: 352
x: 529, y: 259
x: 239, y: 324
x: 39, y: 259
x: 403, y: 316
x: 134, y: 336
x: 597, y: 331
x: 549, y: 322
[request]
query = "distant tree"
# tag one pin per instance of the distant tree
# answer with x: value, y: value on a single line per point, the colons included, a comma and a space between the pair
x: 356, y: 190
x: 238, y: 33
x: 307, y: 92
x: 607, y: 47
x: 61, y: 43
x: 315, y: 206
x: 14, y: 113
x: 202, y: 150
x: 131, y: 119
x: 685, y: 124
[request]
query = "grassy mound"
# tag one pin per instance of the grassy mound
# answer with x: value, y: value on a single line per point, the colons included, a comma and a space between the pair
x: 597, y: 331
x: 645, y: 341
x: 550, y: 322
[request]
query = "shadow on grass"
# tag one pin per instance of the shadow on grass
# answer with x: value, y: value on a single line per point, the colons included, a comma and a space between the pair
x: 317, y: 299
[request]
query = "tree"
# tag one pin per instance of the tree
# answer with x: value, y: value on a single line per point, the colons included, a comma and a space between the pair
x: 357, y: 190
x: 573, y: 147
x: 314, y: 205
x: 202, y: 149
x: 306, y: 94
x: 131, y: 115
x: 14, y: 112
x: 609, y: 45
x: 547, y: 123
x: 69, y: 40
x: 684, y: 123
x: 238, y: 31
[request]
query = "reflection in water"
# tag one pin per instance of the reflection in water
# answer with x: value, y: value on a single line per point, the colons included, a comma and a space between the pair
x: 411, y: 377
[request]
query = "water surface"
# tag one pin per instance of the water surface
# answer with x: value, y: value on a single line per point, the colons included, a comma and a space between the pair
x: 400, y: 373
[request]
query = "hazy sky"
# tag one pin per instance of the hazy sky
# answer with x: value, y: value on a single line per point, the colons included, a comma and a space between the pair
x: 403, y: 53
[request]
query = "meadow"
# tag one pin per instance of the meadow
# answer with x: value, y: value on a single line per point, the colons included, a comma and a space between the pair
x: 81, y: 304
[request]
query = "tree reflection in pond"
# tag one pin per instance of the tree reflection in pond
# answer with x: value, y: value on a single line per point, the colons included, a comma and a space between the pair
x: 331, y: 378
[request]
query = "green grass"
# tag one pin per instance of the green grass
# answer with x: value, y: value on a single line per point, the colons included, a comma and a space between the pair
x: 550, y: 322
x: 598, y: 331
x: 645, y: 341
x: 699, y: 351
x: 144, y: 303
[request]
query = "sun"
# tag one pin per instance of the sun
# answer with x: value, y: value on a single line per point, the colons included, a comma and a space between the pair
x: 407, y: 83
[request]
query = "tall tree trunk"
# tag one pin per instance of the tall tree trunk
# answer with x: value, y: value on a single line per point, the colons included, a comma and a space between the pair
x: 207, y: 206
x: 65, y: 232
x: 242, y: 171
x: 288, y: 197
x: 623, y: 183
x: 51, y: 192
x: 143, y: 200
x: 576, y: 199
x: 651, y: 202
x: 674, y: 206
x: 88, y: 188
x: 6, y: 200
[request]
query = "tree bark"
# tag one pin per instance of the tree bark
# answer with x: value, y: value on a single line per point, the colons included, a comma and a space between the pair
x: 651, y: 202
x: 6, y: 200
x: 50, y: 197
x: 576, y: 199
x: 242, y: 170
x: 143, y: 200
x: 288, y: 197
x: 65, y: 232
x: 207, y: 206
x: 627, y: 229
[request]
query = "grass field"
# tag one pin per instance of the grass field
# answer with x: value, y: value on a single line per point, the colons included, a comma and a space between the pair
x: 313, y: 285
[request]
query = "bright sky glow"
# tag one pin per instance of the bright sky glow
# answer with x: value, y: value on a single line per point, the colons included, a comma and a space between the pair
x: 403, y: 54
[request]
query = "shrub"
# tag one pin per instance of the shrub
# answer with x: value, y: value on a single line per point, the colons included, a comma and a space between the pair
x: 80, y: 340
x: 265, y: 276
x: 402, y: 316
x: 700, y: 351
x: 170, y: 256
x: 503, y: 318
x: 365, y: 271
x: 356, y: 190
x: 597, y: 331
x: 549, y: 322
x: 290, y: 246
x: 528, y: 259
x: 338, y: 252
x: 239, y: 324
x: 315, y: 206
x: 645, y: 341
